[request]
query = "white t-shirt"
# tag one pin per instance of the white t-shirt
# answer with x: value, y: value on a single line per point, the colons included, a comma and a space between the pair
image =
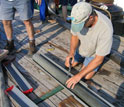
x: 96, y: 40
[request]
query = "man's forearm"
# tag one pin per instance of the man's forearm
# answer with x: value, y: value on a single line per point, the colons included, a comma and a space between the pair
x: 74, y: 44
x: 91, y: 66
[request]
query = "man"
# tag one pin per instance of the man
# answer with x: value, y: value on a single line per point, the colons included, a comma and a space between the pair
x: 64, y: 4
x: 91, y: 38
x: 23, y: 7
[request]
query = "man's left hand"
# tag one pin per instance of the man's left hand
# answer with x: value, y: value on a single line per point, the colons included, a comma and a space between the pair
x: 73, y: 81
x: 38, y: 2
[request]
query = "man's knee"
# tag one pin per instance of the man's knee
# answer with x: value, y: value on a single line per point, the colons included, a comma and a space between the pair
x: 90, y: 75
x: 6, y: 22
x: 27, y: 22
x: 87, y: 78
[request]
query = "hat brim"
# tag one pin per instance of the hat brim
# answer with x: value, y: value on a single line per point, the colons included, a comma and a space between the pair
x: 77, y: 27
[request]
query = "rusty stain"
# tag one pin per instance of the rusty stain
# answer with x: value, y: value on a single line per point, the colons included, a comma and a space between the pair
x: 104, y: 72
x: 59, y: 47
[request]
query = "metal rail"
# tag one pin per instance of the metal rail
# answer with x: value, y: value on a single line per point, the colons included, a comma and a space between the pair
x: 4, y: 99
x: 80, y: 90
x: 19, y: 97
x: 18, y: 77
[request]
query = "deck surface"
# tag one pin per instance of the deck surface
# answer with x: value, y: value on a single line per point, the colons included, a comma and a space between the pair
x: 53, y: 40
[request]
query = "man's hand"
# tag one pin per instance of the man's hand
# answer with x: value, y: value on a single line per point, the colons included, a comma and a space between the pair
x: 38, y: 2
x: 68, y: 59
x: 73, y: 81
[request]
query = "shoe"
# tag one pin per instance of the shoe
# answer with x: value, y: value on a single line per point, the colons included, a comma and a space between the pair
x: 3, y: 54
x: 57, y: 11
x: 32, y: 48
x: 68, y: 21
x: 10, y: 46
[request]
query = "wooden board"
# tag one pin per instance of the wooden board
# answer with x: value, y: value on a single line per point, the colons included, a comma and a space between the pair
x: 70, y: 102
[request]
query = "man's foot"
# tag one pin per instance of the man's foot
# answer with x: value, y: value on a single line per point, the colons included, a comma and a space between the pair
x: 8, y: 59
x: 3, y: 54
x: 10, y: 46
x: 75, y: 64
x: 32, y: 48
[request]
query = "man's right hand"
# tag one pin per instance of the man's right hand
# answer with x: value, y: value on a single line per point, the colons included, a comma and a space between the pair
x: 68, y: 59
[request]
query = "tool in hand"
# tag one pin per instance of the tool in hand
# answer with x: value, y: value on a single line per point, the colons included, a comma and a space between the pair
x: 70, y: 66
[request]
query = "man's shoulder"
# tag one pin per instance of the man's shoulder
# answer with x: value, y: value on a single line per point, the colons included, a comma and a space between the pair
x: 104, y: 21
